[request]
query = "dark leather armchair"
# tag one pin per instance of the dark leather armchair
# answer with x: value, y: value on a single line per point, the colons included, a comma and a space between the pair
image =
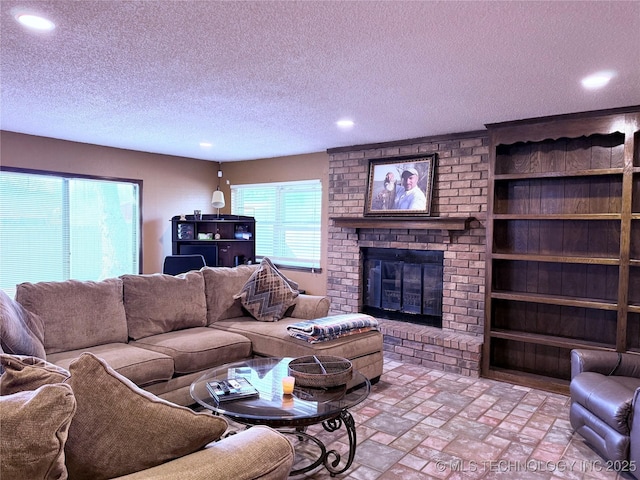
x: 604, y: 388
x: 176, y: 264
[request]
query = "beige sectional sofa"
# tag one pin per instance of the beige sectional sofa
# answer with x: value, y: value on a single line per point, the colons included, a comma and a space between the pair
x: 97, y: 376
x: 161, y: 331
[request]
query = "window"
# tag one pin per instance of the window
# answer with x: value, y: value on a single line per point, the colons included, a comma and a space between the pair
x: 287, y: 220
x: 55, y: 227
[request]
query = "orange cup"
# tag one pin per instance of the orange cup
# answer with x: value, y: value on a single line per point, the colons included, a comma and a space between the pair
x: 287, y: 385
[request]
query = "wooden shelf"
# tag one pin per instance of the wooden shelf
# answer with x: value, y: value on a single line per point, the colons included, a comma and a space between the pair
x: 214, y: 240
x: 558, y: 216
x: 550, y: 341
x: 213, y: 219
x: 546, y: 175
x: 560, y: 126
x: 555, y: 300
x: 536, y: 381
x: 557, y: 259
x: 409, y: 222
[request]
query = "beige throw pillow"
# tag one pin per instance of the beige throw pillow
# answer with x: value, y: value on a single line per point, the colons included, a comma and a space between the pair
x: 28, y: 373
x: 119, y: 428
x: 268, y: 293
x: 35, y: 425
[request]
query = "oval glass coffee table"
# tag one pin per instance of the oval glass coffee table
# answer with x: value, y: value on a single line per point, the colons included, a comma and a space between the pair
x: 290, y: 414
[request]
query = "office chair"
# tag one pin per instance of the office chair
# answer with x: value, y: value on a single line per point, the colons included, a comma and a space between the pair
x: 176, y: 264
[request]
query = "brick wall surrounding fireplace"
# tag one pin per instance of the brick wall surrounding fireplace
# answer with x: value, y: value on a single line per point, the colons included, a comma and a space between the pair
x: 460, y: 190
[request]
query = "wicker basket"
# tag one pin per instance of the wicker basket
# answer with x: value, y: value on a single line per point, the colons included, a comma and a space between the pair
x: 320, y: 371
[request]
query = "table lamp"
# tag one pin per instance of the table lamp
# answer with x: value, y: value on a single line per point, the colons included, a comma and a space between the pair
x: 218, y: 200
x: 218, y: 197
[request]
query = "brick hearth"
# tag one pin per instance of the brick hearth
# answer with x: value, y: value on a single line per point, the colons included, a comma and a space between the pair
x: 460, y: 190
x: 432, y: 347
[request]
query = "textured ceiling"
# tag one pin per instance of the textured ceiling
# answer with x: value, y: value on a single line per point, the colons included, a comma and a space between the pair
x: 264, y: 79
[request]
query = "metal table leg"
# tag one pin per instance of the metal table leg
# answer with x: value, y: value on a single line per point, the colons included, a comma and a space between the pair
x: 330, y: 458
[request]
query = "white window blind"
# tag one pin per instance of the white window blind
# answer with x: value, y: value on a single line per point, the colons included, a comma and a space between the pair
x: 288, y: 217
x: 56, y: 227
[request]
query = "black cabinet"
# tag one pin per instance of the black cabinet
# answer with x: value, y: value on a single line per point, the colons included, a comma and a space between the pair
x: 224, y: 240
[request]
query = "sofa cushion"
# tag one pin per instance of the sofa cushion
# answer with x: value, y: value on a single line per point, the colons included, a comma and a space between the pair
x: 93, y: 311
x: 142, y: 366
x: 221, y: 284
x: 196, y: 349
x: 273, y: 340
x: 159, y: 303
x: 267, y: 294
x: 21, y: 332
x: 119, y: 428
x: 35, y: 424
x: 28, y: 373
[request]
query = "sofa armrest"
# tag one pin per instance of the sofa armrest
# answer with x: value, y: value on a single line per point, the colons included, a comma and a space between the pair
x: 624, y: 364
x: 256, y: 453
x: 634, y: 443
x: 309, y: 307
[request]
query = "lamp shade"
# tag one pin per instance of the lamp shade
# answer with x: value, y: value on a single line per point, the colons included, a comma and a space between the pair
x: 218, y: 199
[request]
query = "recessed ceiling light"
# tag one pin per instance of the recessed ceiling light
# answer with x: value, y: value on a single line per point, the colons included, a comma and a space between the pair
x: 206, y: 144
x: 597, y: 80
x: 35, y: 22
x: 345, y: 123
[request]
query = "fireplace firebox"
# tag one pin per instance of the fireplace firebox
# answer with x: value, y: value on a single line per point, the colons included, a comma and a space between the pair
x: 401, y: 284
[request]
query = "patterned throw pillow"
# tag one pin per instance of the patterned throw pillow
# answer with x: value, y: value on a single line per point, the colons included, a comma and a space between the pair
x: 267, y: 294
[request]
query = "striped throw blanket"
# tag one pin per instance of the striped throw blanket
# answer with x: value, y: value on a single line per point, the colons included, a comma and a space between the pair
x: 328, y: 328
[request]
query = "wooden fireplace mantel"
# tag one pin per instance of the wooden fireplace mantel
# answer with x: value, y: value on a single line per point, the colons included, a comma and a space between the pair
x: 409, y: 222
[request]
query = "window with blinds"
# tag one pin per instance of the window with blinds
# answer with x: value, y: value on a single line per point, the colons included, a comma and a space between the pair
x: 288, y: 216
x: 55, y: 227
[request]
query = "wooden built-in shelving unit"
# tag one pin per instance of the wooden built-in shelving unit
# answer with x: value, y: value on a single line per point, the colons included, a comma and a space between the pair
x: 563, y: 244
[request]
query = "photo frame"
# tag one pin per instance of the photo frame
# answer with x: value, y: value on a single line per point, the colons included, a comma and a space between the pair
x: 400, y: 186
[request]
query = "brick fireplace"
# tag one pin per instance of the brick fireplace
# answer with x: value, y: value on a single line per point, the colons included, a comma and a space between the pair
x: 459, y: 193
x: 403, y: 284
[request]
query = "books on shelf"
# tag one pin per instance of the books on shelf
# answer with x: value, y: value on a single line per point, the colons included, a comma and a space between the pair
x: 232, y: 389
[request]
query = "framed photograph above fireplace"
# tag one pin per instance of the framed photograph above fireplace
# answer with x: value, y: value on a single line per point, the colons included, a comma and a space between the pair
x: 400, y: 186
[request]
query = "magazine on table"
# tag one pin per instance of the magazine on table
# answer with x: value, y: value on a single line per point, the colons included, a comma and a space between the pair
x: 232, y: 389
